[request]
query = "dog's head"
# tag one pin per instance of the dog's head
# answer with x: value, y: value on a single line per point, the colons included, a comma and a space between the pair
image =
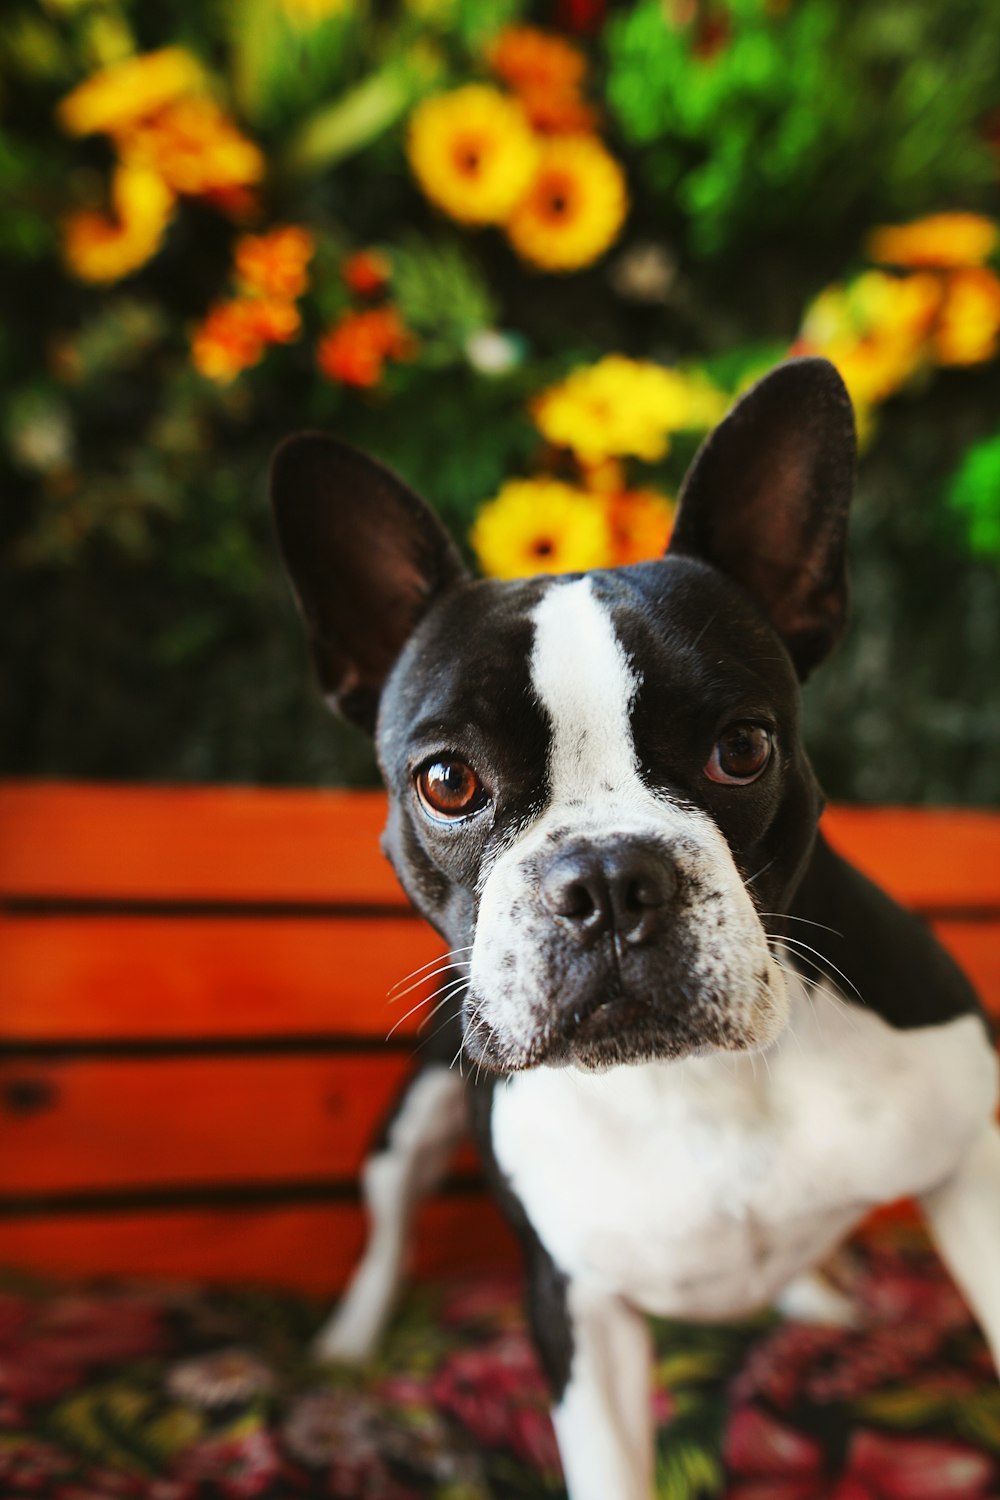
x: 595, y: 781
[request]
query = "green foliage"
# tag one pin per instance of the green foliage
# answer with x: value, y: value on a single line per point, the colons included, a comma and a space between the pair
x: 808, y: 117
x: 146, y: 630
x: 443, y: 297
x: 974, y: 494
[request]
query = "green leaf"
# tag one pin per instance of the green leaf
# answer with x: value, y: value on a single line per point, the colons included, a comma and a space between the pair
x: 978, y: 1417
x: 442, y: 296
x: 904, y: 1406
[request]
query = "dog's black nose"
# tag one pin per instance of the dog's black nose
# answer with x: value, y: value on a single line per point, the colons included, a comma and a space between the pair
x: 621, y: 889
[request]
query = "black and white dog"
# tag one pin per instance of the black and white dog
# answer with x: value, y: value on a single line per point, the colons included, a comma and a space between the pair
x: 599, y: 796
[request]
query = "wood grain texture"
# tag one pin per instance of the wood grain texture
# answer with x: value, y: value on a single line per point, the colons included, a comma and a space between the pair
x: 257, y: 844
x: 207, y: 976
x: 312, y: 1249
x: 125, y: 1123
x: 207, y: 843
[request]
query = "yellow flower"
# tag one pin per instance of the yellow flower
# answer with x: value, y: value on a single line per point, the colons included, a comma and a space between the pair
x: 541, y: 526
x: 940, y: 240
x: 472, y: 152
x: 195, y: 147
x: 117, y: 96
x: 623, y: 406
x: 311, y: 12
x: 875, y: 331
x: 574, y: 208
x: 102, y: 249
x: 274, y: 264
x: 968, y: 330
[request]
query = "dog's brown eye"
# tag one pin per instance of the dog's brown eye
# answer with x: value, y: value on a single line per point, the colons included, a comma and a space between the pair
x: 450, y: 789
x: 741, y: 753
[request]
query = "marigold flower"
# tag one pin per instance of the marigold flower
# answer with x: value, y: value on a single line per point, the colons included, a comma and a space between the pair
x: 473, y: 153
x: 623, y: 406
x: 541, y: 526
x: 274, y: 264
x: 311, y: 12
x: 641, y: 523
x: 525, y: 57
x: 117, y: 97
x: 235, y: 334
x: 875, y: 330
x: 968, y: 330
x: 355, y: 349
x: 559, y: 114
x: 366, y: 272
x: 546, y: 72
x: 195, y: 147
x: 574, y: 208
x: 99, y: 248
x: 939, y: 240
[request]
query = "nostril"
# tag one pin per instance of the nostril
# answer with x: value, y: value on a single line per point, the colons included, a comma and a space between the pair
x: 575, y: 901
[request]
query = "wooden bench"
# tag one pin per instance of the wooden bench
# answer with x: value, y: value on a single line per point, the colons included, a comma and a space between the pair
x: 193, y: 1021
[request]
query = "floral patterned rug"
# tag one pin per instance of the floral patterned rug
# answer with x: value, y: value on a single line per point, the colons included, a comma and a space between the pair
x: 184, y: 1393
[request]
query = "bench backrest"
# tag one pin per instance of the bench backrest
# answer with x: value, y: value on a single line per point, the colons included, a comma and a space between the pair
x: 193, y: 1020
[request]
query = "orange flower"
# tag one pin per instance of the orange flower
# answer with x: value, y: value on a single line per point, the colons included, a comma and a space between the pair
x: 366, y: 272
x: 552, y: 113
x: 530, y: 60
x: 968, y: 329
x: 354, y: 351
x: 939, y: 240
x: 546, y: 73
x: 641, y: 523
x: 274, y: 264
x: 195, y: 147
x: 235, y: 334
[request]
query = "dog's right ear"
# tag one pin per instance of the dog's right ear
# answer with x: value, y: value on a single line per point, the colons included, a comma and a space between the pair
x: 366, y: 558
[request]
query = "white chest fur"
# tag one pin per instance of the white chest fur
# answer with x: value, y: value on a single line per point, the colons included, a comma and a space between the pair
x: 700, y: 1188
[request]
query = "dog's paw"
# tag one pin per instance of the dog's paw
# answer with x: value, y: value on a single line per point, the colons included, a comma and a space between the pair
x: 810, y: 1298
x: 346, y: 1339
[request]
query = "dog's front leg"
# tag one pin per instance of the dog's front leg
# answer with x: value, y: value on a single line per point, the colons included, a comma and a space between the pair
x: 964, y: 1218
x: 412, y: 1157
x: 597, y: 1353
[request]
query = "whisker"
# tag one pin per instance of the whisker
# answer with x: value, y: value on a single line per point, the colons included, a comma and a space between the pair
x: 456, y: 984
x: 762, y: 871
x: 798, y: 943
x: 787, y: 917
x: 430, y: 964
x: 425, y: 1041
x: 426, y: 978
x: 826, y: 986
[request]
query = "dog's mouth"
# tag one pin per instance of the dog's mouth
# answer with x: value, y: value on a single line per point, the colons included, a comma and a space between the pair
x: 617, y: 1026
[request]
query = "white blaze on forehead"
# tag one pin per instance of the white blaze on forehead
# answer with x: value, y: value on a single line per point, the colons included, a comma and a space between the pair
x: 583, y: 680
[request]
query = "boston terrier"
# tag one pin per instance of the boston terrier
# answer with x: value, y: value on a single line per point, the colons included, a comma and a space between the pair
x: 696, y: 1045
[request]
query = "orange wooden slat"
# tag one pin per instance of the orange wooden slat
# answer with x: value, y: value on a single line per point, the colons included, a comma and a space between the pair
x: 210, y: 843
x: 141, y: 1123
x: 310, y: 1249
x: 927, y: 857
x: 195, y: 843
x: 94, y: 977
x: 976, y: 946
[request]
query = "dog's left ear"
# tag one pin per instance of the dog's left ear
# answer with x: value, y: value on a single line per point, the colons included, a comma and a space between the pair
x: 367, y: 558
x: 766, y: 502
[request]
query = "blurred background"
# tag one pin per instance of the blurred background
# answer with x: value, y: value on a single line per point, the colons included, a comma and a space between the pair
x: 526, y: 254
